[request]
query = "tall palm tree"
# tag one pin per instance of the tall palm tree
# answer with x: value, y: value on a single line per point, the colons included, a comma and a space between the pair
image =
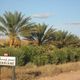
x: 13, y: 24
x: 42, y: 33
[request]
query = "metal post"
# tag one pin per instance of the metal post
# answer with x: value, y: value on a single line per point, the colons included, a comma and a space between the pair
x: 13, y: 73
x: 0, y: 72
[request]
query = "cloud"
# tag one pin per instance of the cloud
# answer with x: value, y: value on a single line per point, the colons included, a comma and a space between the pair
x: 73, y: 24
x: 42, y: 15
x: 76, y: 23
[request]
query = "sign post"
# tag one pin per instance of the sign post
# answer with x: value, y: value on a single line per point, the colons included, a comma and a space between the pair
x: 0, y: 72
x: 8, y: 61
x: 13, y: 73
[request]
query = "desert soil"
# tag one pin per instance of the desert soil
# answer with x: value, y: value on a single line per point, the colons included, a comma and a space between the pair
x: 73, y: 75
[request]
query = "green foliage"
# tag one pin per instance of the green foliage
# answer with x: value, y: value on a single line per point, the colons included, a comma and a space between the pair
x: 65, y: 39
x: 17, y: 52
x: 73, y: 54
x: 13, y: 25
x: 35, y: 54
x: 58, y: 57
x: 40, y: 60
x: 40, y: 55
x: 59, y: 46
x: 42, y: 34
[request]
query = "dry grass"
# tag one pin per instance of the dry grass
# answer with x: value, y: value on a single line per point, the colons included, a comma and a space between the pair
x: 2, y: 42
x: 32, y: 72
x: 23, y: 42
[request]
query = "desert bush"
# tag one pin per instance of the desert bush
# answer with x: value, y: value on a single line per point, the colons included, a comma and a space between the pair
x: 17, y: 52
x: 40, y: 55
x: 57, y: 57
x: 73, y: 54
x: 64, y: 55
x: 36, y: 55
x: 40, y: 60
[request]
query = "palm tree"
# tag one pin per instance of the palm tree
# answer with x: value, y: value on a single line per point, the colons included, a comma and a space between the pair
x: 42, y: 33
x: 13, y: 25
x: 63, y: 39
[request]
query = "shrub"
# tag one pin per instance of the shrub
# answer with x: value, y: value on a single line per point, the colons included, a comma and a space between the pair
x: 58, y: 57
x: 40, y: 60
x: 40, y: 55
x: 35, y: 54
x: 17, y: 52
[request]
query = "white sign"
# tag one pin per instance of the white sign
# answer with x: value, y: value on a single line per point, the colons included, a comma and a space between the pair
x: 7, y: 61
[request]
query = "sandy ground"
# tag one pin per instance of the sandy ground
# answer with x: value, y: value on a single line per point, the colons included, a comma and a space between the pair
x: 64, y: 76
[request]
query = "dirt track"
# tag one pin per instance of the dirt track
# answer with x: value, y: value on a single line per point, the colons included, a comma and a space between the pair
x: 64, y: 76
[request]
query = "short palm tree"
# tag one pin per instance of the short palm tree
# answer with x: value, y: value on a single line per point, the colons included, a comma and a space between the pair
x: 42, y: 33
x: 63, y: 39
x: 13, y: 24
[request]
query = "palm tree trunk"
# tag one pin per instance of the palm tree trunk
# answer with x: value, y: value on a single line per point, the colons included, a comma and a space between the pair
x: 17, y: 42
x: 11, y: 43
